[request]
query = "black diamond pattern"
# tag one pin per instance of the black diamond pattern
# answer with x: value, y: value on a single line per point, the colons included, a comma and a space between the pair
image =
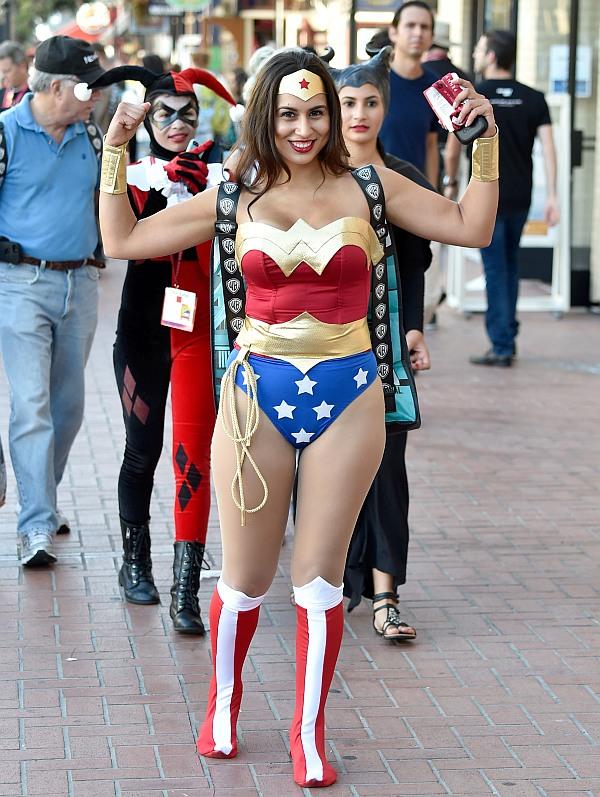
x: 184, y: 495
x: 194, y: 477
x: 181, y: 458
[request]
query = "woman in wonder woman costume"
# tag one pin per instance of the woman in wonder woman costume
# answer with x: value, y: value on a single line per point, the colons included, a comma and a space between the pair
x: 148, y: 356
x: 303, y: 373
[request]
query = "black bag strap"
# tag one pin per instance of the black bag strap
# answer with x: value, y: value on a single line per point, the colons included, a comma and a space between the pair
x: 3, y: 155
x: 234, y: 291
x: 381, y: 337
x: 95, y: 136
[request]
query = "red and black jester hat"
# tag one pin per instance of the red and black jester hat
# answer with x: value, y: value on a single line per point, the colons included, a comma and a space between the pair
x: 183, y: 82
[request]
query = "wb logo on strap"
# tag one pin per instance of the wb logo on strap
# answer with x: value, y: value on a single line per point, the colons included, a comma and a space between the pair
x: 226, y: 206
x: 373, y: 190
x: 225, y: 226
x: 230, y: 188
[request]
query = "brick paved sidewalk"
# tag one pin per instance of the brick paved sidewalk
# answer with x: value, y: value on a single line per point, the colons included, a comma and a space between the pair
x: 500, y: 694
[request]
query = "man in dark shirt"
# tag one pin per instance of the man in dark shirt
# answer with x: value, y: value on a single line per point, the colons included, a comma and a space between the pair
x: 409, y: 130
x: 521, y: 114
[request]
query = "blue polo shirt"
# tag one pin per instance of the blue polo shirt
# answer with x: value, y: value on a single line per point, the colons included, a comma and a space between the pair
x: 409, y: 119
x: 47, y: 197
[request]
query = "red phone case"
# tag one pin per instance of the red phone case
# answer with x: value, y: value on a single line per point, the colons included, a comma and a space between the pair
x: 441, y: 96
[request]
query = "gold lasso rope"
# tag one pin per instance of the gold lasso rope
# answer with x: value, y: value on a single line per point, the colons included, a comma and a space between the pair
x: 241, y: 441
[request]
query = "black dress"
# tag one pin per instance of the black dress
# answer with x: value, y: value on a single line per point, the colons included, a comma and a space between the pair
x: 380, y: 538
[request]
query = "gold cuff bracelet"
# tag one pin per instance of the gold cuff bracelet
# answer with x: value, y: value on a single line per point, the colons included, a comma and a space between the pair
x: 484, y: 159
x: 113, y: 177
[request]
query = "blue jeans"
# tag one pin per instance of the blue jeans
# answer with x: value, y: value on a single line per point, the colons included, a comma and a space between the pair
x: 47, y: 323
x: 500, y: 263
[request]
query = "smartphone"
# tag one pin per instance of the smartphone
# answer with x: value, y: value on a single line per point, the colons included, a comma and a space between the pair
x: 441, y: 96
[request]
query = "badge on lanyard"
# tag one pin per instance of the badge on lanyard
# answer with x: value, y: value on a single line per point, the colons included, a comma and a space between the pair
x: 179, y: 306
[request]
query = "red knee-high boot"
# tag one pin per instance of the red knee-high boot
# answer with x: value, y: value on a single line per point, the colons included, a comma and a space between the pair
x: 320, y: 624
x: 233, y: 621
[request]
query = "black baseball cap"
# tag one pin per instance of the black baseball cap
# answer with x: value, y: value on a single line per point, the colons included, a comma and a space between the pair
x: 63, y: 55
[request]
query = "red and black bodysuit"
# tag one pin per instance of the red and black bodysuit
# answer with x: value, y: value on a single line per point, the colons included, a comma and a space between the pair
x: 147, y: 357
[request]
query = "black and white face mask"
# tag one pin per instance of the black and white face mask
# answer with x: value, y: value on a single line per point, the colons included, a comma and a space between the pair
x: 162, y: 115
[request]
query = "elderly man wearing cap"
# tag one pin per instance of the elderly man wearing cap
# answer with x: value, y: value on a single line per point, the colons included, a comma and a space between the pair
x: 49, y: 170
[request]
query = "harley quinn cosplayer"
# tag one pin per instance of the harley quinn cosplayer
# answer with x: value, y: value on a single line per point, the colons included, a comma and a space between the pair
x: 148, y: 355
x: 303, y: 373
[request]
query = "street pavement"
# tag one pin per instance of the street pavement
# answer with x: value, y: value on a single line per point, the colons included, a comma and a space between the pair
x: 499, y: 694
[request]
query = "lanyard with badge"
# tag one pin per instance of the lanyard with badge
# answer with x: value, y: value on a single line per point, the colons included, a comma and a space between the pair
x: 179, y: 306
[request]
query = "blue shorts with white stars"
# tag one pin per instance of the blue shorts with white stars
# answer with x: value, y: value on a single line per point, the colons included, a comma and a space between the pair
x: 302, y: 406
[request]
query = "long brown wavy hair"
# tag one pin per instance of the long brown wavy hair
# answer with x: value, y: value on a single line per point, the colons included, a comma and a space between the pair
x: 260, y: 164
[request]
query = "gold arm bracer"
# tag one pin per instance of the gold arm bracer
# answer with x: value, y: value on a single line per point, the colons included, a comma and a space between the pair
x: 113, y: 176
x: 484, y: 159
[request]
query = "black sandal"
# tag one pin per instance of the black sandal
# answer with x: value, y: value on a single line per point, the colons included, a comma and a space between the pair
x: 392, y: 619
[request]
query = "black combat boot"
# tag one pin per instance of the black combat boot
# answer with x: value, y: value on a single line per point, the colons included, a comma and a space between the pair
x: 185, y: 609
x: 135, y: 575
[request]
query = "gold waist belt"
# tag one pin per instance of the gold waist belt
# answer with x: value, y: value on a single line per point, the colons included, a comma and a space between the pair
x: 303, y: 340
x: 304, y: 337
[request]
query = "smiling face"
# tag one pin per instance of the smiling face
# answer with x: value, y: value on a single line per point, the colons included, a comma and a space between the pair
x: 362, y: 113
x: 301, y: 127
x: 172, y: 131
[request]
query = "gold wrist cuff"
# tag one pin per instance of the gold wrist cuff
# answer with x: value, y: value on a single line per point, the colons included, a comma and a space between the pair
x: 113, y: 177
x: 484, y: 159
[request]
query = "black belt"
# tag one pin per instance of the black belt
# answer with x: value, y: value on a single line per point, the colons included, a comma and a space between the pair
x: 62, y: 265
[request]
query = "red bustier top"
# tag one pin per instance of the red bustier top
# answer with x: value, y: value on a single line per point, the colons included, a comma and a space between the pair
x: 324, y: 271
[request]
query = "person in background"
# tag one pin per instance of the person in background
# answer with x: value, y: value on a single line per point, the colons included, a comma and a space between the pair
x: 410, y: 127
x: 48, y: 277
x: 377, y: 557
x: 522, y: 114
x: 437, y: 60
x: 13, y: 73
x: 148, y: 356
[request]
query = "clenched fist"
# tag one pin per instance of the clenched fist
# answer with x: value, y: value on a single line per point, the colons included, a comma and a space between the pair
x: 128, y: 117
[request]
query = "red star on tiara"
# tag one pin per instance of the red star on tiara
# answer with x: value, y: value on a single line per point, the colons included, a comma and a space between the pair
x: 303, y: 84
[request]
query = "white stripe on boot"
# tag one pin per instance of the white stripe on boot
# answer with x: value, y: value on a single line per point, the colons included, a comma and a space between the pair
x: 317, y: 598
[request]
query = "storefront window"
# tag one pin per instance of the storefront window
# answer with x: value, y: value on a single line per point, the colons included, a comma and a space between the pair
x: 497, y: 15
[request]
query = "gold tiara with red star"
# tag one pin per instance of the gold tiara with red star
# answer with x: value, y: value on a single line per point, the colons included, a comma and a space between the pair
x: 302, y: 84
